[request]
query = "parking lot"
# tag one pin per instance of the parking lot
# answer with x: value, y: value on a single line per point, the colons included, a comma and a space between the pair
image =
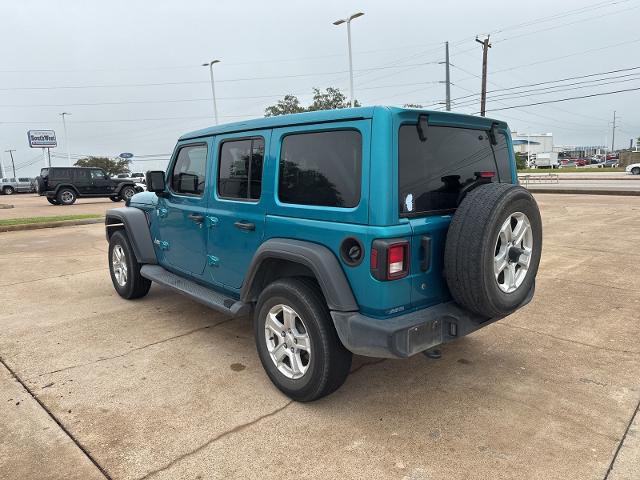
x: 94, y: 386
x: 33, y: 205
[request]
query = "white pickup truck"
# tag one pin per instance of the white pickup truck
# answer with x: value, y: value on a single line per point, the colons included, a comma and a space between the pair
x: 9, y: 186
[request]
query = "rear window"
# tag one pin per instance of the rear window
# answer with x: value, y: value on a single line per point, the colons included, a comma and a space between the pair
x: 60, y: 173
x: 321, y: 168
x: 432, y: 173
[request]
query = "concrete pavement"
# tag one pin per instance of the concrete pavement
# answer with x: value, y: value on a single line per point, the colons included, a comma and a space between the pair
x: 165, y: 388
x: 33, y: 205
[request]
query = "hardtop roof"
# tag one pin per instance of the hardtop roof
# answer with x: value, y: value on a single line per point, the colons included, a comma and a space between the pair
x: 320, y: 116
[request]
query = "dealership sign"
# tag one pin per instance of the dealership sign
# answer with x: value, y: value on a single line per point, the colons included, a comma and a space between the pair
x: 42, y: 138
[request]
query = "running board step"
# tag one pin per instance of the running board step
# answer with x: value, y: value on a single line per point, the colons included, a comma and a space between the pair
x: 197, y: 292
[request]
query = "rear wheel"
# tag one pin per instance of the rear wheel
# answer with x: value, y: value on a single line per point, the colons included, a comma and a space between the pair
x: 297, y: 342
x: 127, y: 192
x: 53, y: 201
x: 125, y: 269
x: 8, y: 190
x: 66, y: 196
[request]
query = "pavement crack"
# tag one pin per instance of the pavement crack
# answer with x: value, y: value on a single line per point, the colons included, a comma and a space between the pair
x: 215, y: 439
x: 583, y: 282
x: 361, y: 366
x: 51, y: 278
x: 135, y: 349
x: 624, y: 436
x: 562, y: 339
x: 56, y: 420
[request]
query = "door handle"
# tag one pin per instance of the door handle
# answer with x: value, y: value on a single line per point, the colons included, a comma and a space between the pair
x: 242, y: 225
x: 196, y: 218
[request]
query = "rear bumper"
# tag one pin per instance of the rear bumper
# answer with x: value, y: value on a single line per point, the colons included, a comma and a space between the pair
x: 406, y: 335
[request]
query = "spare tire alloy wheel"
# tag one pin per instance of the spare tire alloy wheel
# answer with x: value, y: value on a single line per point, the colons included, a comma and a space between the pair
x: 287, y: 341
x: 514, y: 246
x: 493, y: 248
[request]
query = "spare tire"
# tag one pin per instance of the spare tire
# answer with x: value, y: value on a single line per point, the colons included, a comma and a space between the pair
x: 40, y: 185
x: 493, y: 249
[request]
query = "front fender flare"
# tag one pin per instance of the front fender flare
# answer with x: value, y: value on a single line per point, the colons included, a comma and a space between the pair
x: 135, y: 224
x: 318, y: 258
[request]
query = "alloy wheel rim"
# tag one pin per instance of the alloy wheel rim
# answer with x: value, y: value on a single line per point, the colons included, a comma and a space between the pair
x: 512, y: 252
x: 119, y: 265
x: 67, y: 196
x: 287, y: 341
x: 128, y: 193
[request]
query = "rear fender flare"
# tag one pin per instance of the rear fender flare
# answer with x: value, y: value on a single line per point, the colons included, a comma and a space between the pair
x: 317, y: 258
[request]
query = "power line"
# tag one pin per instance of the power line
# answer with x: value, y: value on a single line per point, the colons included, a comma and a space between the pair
x: 565, y: 99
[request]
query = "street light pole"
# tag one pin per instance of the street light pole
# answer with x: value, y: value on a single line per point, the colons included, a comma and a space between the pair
x: 213, y: 87
x: 348, y: 22
x: 66, y: 137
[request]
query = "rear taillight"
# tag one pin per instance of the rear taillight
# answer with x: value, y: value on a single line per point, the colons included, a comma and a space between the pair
x: 389, y: 259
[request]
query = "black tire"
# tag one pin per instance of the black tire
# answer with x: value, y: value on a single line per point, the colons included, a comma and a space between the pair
x: 635, y: 171
x: 329, y: 363
x: 471, y: 246
x: 136, y: 285
x: 40, y: 185
x: 127, y: 192
x: 115, y: 199
x: 53, y: 201
x: 8, y: 190
x: 66, y: 196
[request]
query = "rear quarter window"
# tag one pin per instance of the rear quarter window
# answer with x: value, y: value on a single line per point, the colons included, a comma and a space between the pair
x: 431, y: 174
x: 321, y: 168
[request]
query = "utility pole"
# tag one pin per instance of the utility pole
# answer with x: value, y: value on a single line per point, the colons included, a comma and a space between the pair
x: 613, y: 133
x: 447, y: 77
x: 10, y: 152
x: 66, y: 138
x: 485, y: 49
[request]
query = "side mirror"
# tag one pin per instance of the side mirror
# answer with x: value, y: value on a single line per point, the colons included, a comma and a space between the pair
x: 156, y: 181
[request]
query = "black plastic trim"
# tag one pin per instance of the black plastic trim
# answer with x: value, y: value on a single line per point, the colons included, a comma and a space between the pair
x: 318, y: 258
x: 137, y: 228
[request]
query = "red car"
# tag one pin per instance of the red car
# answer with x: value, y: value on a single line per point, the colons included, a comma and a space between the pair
x: 580, y: 162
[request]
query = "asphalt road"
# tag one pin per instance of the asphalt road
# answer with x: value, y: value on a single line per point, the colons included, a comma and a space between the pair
x: 94, y: 387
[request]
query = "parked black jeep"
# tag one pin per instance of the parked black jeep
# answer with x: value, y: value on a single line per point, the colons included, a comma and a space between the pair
x: 63, y: 185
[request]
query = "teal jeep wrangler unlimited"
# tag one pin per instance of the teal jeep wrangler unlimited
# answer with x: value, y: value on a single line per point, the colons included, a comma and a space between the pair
x: 377, y: 231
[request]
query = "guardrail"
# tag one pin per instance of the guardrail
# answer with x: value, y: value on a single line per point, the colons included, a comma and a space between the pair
x: 539, y: 178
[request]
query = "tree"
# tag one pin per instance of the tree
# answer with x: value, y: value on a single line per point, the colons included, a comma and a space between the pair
x: 289, y: 104
x: 113, y: 167
x: 330, y: 99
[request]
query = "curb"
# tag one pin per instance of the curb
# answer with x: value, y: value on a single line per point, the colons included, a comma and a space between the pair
x: 38, y: 226
x: 576, y: 191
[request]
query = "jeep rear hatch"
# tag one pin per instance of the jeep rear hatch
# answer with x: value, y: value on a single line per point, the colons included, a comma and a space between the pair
x: 437, y: 165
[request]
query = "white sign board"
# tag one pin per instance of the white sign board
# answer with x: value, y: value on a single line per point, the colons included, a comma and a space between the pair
x: 42, y: 138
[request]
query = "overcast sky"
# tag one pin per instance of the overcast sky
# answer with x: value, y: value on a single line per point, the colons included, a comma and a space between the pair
x: 100, y: 60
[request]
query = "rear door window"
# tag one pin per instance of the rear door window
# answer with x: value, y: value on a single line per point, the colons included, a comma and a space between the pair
x: 431, y: 174
x: 60, y: 174
x: 321, y: 168
x: 240, y: 169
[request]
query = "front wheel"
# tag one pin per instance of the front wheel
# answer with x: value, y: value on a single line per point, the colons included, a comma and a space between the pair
x: 297, y: 342
x: 125, y: 269
x: 115, y: 199
x: 635, y: 171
